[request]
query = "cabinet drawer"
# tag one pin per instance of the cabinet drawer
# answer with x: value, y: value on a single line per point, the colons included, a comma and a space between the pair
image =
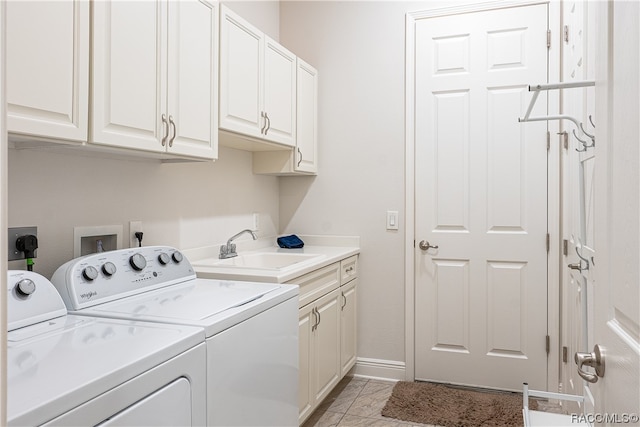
x: 317, y: 283
x: 348, y: 269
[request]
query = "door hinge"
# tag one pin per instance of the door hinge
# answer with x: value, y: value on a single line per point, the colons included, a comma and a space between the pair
x: 548, y: 344
x: 565, y: 354
x: 565, y: 140
x: 548, y: 242
x: 565, y: 247
x: 548, y: 39
x: 566, y: 34
x: 548, y: 140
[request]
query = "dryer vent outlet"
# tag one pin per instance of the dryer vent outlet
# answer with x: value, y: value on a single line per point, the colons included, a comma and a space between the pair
x: 93, y: 239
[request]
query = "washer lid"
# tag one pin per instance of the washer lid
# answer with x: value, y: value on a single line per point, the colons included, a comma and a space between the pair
x: 212, y: 304
x: 56, y: 365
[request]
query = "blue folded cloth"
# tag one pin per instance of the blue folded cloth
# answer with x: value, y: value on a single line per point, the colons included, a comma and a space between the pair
x: 290, y: 242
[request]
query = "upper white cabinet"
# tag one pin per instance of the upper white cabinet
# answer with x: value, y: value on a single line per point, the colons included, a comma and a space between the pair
x: 47, y: 69
x: 307, y: 119
x: 155, y: 76
x: 257, y: 83
x: 303, y: 159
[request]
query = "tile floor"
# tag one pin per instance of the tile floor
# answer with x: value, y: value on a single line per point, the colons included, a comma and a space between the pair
x: 359, y: 402
x: 356, y: 402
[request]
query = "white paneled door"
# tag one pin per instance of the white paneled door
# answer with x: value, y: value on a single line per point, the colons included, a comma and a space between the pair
x: 481, y: 199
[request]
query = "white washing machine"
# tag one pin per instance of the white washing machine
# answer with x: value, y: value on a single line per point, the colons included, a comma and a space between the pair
x: 78, y: 371
x: 251, y: 328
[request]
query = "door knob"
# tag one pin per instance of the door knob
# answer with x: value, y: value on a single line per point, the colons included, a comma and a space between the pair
x: 595, y: 360
x: 425, y: 245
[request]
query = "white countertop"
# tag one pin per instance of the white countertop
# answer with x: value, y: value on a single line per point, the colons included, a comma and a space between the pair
x: 329, y: 249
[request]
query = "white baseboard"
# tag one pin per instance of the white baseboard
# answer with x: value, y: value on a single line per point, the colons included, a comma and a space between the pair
x: 390, y: 370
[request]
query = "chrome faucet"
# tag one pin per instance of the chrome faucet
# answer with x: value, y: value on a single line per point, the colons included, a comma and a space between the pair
x: 229, y: 250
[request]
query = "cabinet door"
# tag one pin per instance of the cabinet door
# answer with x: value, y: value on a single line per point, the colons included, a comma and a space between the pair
x: 192, y: 78
x: 279, y: 93
x: 327, y: 345
x: 348, y: 330
x: 47, y: 68
x: 306, y: 320
x: 129, y: 74
x: 307, y: 120
x: 241, y: 52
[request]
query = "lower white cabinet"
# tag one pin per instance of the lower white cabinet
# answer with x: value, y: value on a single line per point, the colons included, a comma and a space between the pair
x: 319, y: 351
x: 327, y: 331
x: 348, y: 327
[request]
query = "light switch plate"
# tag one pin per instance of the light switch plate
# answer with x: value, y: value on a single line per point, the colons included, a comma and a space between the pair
x: 392, y: 220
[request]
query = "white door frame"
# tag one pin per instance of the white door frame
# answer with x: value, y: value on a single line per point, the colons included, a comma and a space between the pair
x: 553, y: 178
x: 3, y: 220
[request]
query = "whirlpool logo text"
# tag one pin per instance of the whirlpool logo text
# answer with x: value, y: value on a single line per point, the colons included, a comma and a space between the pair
x: 88, y: 295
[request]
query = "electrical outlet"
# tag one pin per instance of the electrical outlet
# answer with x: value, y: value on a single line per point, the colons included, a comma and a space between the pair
x: 12, y: 236
x: 134, y: 226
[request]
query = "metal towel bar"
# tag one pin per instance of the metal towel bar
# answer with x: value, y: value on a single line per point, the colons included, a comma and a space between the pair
x: 552, y: 86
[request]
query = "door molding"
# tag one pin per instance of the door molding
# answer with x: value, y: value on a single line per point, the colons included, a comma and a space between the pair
x: 553, y: 179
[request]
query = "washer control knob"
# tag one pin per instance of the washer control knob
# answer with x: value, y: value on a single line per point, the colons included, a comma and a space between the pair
x: 90, y: 273
x: 163, y: 258
x: 177, y: 257
x: 109, y: 269
x: 25, y: 287
x: 137, y: 262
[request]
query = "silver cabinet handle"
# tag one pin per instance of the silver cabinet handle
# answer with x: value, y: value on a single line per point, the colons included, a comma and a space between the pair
x: 595, y: 360
x: 425, y: 245
x: 166, y: 130
x: 344, y: 300
x: 299, y: 156
x: 316, y: 314
x: 264, y: 122
x: 266, y: 116
x: 175, y: 131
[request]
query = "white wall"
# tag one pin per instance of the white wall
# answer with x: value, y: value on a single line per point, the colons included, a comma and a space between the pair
x: 185, y: 205
x: 358, y: 49
x: 264, y: 14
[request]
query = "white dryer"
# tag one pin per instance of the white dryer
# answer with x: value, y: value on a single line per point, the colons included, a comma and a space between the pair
x: 251, y: 328
x: 77, y: 370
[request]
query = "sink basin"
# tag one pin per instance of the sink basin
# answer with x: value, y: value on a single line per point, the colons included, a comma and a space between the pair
x: 261, y: 261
